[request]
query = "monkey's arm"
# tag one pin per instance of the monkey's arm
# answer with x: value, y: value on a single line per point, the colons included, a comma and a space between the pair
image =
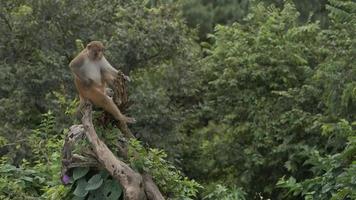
x: 109, y: 72
x: 106, y: 66
x: 75, y: 66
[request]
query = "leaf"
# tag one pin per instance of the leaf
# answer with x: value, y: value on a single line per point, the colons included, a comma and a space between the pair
x: 7, y: 168
x: 26, y: 178
x: 78, y: 198
x: 112, y: 190
x: 80, y: 172
x: 94, y: 182
x: 97, y: 194
x: 104, y: 174
x: 80, y: 189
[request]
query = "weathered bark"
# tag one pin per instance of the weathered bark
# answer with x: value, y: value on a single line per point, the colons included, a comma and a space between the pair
x: 77, y: 132
x: 70, y: 160
x: 131, y: 181
x: 151, y: 188
x: 136, y: 186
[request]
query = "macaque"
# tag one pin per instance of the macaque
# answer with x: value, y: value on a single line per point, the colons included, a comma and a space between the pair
x: 92, y: 73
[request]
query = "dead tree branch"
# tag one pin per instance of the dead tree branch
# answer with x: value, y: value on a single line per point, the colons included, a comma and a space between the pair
x: 135, y: 185
x: 131, y: 181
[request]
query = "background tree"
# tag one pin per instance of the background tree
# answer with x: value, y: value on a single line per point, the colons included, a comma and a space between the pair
x: 264, y: 107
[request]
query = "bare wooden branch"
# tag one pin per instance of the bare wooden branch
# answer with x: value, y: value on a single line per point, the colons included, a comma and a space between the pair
x: 131, y: 181
x: 75, y: 132
x: 151, y: 188
x: 136, y: 186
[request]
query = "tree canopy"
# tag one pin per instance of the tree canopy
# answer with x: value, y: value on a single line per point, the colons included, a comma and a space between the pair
x: 234, y: 100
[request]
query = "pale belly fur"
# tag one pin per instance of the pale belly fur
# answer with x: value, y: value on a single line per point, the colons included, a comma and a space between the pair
x: 92, y: 71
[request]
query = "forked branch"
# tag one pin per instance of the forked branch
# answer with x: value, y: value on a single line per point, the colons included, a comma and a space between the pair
x: 135, y: 185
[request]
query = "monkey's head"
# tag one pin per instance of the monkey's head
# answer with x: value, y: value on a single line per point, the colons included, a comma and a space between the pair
x: 96, y: 50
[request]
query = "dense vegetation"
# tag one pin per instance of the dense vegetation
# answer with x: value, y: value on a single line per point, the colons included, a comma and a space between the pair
x: 234, y: 99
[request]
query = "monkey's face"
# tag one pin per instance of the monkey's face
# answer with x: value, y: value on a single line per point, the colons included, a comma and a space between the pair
x: 96, y: 50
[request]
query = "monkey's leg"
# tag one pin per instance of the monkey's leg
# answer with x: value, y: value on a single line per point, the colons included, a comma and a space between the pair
x: 78, y: 113
x: 99, y: 98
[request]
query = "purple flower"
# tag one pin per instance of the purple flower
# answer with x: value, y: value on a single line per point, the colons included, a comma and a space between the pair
x: 65, y: 179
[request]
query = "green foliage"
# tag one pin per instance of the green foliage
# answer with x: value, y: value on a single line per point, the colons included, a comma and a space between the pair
x: 39, y: 38
x: 80, y: 190
x: 334, y: 176
x: 205, y: 14
x: 264, y: 108
x: 166, y: 176
x: 20, y: 183
x: 38, y: 176
x: 247, y: 114
x: 87, y: 183
x: 35, y: 52
x: 310, y: 10
x: 222, y: 193
x: 80, y: 172
x: 157, y: 108
x: 109, y: 134
x: 95, y: 185
x: 112, y: 190
x: 94, y: 182
x: 55, y: 192
x: 269, y: 90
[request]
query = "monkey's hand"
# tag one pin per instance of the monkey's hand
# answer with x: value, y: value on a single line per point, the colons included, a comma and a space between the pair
x: 109, y: 92
x: 127, y: 78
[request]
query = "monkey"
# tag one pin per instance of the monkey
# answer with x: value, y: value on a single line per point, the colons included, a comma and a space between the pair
x: 92, y: 73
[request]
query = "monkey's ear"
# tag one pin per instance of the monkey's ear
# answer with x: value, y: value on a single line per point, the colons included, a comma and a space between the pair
x: 89, y: 45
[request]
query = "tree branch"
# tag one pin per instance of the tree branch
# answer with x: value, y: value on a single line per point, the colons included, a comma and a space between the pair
x: 131, y: 181
x: 136, y: 186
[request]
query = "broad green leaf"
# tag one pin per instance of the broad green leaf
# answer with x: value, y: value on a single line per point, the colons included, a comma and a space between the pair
x: 112, y: 190
x: 26, y: 178
x: 80, y: 189
x: 94, y: 182
x: 80, y: 172
x: 104, y: 174
x: 7, y: 168
x: 97, y: 194
x: 78, y: 198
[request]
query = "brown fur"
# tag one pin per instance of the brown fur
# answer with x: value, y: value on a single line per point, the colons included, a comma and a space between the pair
x: 91, y: 85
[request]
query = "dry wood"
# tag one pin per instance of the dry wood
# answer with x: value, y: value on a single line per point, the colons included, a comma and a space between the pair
x: 136, y: 186
x: 131, y: 181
